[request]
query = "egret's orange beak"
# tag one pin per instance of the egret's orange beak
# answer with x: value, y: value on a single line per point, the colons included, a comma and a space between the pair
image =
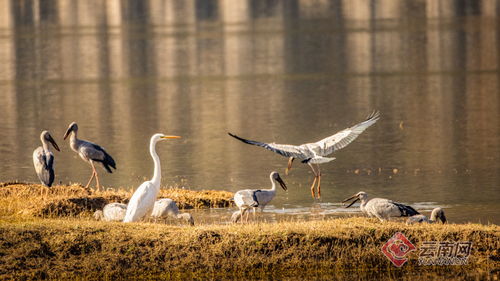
x: 170, y: 137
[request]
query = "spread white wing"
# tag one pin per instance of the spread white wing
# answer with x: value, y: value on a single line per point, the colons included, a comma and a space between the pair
x: 341, y: 139
x: 287, y: 150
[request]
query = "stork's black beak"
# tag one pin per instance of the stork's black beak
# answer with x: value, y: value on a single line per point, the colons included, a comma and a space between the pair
x: 289, y: 167
x: 282, y: 183
x: 352, y: 203
x: 67, y: 132
x: 350, y: 198
x: 53, y: 142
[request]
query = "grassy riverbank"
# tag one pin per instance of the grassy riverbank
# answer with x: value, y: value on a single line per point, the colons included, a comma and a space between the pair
x: 41, y: 242
x: 75, y: 201
x: 57, y: 248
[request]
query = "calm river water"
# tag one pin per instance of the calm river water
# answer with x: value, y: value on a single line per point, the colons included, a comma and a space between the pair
x: 275, y: 71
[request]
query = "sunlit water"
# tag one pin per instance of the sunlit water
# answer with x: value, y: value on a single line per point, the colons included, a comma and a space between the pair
x: 275, y: 71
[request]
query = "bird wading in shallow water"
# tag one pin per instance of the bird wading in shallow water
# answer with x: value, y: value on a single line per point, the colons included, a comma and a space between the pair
x: 142, y: 202
x: 381, y: 208
x: 256, y: 198
x: 43, y: 159
x: 314, y: 153
x: 89, y: 152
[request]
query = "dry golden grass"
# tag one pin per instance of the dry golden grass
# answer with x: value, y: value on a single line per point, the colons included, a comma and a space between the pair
x: 48, y: 233
x: 74, y: 200
x: 344, y: 248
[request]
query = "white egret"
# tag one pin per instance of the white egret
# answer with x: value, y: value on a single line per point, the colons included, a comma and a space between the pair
x: 89, y: 152
x: 43, y: 159
x: 381, y: 208
x: 142, y: 202
x: 314, y: 153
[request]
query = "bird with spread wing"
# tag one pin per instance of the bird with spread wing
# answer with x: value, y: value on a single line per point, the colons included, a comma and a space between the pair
x: 316, y: 152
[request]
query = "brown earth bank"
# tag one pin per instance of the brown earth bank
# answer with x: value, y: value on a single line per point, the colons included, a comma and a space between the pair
x: 48, y: 234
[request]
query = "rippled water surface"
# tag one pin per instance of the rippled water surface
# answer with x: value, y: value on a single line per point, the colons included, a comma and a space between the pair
x: 275, y: 71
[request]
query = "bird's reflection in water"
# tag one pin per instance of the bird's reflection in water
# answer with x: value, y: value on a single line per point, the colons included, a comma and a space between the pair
x: 317, y: 209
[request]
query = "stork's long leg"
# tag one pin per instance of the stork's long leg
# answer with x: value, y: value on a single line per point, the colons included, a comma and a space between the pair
x: 96, y: 176
x: 312, y: 188
x: 315, y: 178
x: 289, y: 167
x: 242, y: 215
x: 238, y: 218
x: 91, y: 178
x: 248, y: 213
x: 319, y: 181
x: 97, y: 180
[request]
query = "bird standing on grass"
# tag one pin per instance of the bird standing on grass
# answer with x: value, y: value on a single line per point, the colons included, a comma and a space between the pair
x: 314, y: 153
x: 142, y: 202
x: 437, y: 215
x: 381, y: 208
x: 166, y: 207
x: 43, y: 159
x: 89, y: 152
x: 255, y: 198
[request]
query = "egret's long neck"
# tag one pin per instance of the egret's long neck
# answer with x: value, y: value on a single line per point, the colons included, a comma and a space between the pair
x: 157, y: 170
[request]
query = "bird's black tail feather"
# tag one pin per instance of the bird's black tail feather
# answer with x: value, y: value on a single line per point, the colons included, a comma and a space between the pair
x: 406, y: 211
x: 255, y: 199
x: 108, y: 162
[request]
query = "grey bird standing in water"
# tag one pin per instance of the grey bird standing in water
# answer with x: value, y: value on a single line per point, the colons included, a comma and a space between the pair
x: 255, y: 198
x: 43, y: 159
x: 90, y: 153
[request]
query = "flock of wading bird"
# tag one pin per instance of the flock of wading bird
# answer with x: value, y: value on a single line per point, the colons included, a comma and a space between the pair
x: 144, y: 204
